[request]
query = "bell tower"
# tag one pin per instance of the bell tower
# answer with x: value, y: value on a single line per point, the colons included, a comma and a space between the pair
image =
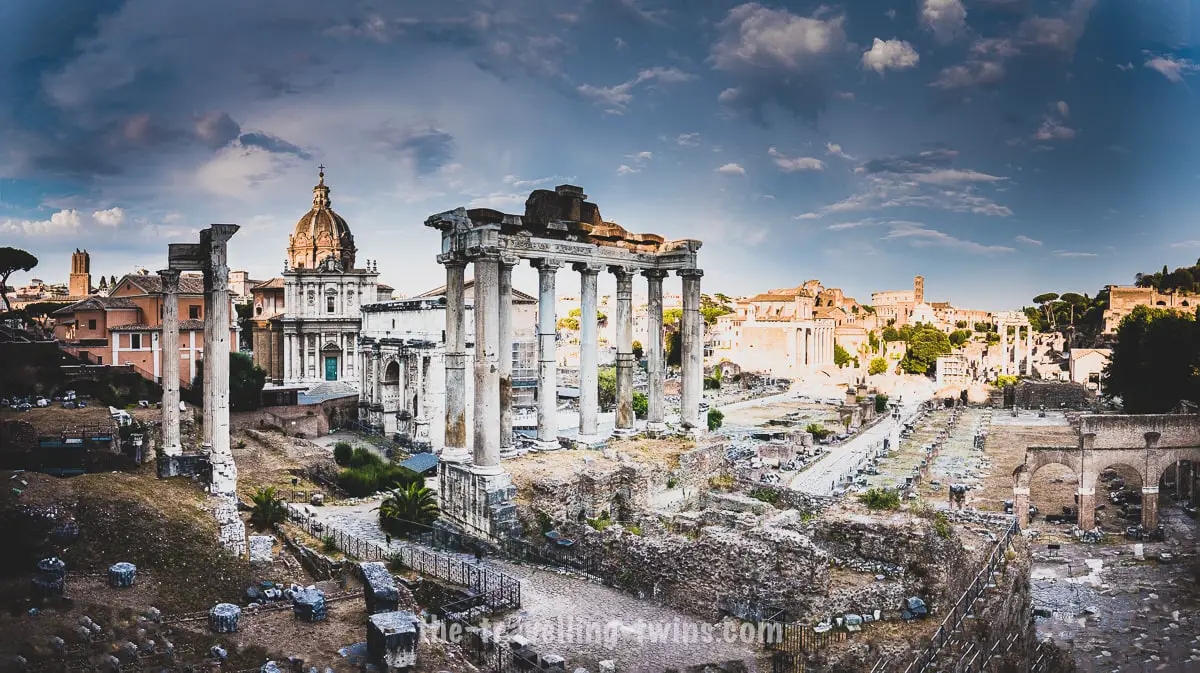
x: 919, y: 290
x: 81, y: 273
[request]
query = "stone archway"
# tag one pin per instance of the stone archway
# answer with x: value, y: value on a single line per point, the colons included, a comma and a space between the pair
x: 1132, y: 482
x: 1067, y: 471
x: 391, y: 390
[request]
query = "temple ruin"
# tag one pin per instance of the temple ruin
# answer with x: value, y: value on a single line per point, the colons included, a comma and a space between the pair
x: 559, y: 228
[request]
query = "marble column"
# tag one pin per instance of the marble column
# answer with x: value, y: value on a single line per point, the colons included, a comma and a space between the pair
x: 655, y: 362
x: 377, y: 395
x: 692, y: 357
x: 206, y: 401
x: 1149, y: 507
x: 170, y: 362
x: 487, y: 372
x: 589, y: 378
x: 1002, y: 329
x: 507, y: 446
x: 216, y: 361
x: 1029, y: 350
x: 624, y: 335
x: 455, y: 450
x: 1021, y: 505
x: 547, y: 427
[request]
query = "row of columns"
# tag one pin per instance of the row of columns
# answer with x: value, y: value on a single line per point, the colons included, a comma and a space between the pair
x: 492, y: 418
x: 1011, y: 364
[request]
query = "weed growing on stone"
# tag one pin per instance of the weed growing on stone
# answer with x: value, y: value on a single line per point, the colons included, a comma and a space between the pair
x: 721, y: 482
x: 767, y: 495
x: 880, y: 498
x: 941, y: 525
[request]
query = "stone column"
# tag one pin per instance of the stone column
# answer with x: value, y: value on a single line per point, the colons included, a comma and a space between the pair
x: 206, y: 401
x: 487, y: 371
x: 507, y: 446
x: 547, y: 428
x: 1087, y: 507
x: 1184, y: 485
x: 455, y: 449
x: 1021, y: 505
x: 692, y: 357
x: 377, y: 396
x: 655, y: 362
x: 589, y: 426
x: 216, y: 361
x: 1149, y: 507
x: 1029, y: 350
x: 624, y: 334
x: 170, y: 362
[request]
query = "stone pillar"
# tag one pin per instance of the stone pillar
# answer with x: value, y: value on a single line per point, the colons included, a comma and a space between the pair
x: 547, y: 428
x: 624, y: 334
x: 655, y: 362
x: 455, y: 449
x: 1087, y: 507
x: 589, y: 426
x: 377, y: 395
x: 487, y: 372
x: 170, y: 362
x: 1003, y: 348
x: 507, y: 446
x: 216, y: 361
x: 1149, y: 507
x: 1029, y: 350
x: 692, y: 357
x: 1184, y: 485
x: 1021, y: 505
x: 206, y: 374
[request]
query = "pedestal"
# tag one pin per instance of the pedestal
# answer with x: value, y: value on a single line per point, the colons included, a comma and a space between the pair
x: 1149, y: 507
x: 478, y: 500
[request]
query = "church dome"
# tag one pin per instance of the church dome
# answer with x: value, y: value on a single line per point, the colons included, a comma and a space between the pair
x: 321, y: 234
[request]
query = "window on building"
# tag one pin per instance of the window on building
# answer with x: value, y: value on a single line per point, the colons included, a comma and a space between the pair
x: 91, y: 324
x: 393, y: 323
x: 258, y: 310
x: 135, y: 341
x: 193, y: 313
x: 329, y: 301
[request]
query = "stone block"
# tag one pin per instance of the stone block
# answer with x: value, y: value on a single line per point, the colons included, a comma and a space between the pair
x: 392, y: 639
x: 122, y: 574
x: 607, y: 666
x: 309, y: 604
x: 261, y: 547
x: 223, y: 618
x: 553, y: 663
x: 379, y: 589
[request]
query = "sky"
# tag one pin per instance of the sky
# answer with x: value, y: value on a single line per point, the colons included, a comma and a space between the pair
x: 1000, y: 148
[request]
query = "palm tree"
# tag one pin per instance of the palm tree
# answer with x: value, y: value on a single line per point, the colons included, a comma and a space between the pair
x: 268, y: 509
x: 408, y: 508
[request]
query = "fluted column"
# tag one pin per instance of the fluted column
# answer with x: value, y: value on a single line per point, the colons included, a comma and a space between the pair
x: 170, y: 362
x: 487, y: 373
x: 655, y: 364
x: 1003, y: 330
x: 589, y: 378
x: 547, y: 428
x: 692, y: 360
x: 507, y: 447
x: 216, y: 360
x: 1029, y: 350
x: 456, y: 365
x: 624, y: 334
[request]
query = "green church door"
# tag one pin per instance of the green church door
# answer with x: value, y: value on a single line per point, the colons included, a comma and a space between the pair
x: 330, y: 368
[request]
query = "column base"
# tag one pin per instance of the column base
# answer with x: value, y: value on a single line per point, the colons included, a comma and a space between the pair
x: 481, y: 503
x: 656, y: 429
x: 625, y: 433
x: 546, y: 445
x: 509, y: 452
x: 596, y: 441
x: 173, y: 450
x: 457, y: 455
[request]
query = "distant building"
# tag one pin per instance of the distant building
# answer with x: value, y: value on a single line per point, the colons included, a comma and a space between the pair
x: 1086, y: 366
x: 1123, y: 299
x: 81, y: 273
x: 953, y: 370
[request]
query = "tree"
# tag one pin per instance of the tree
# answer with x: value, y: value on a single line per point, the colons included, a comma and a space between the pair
x: 1155, y: 361
x: 959, y: 337
x: 267, y: 509
x: 674, y: 349
x: 1044, y: 300
x: 672, y: 316
x: 408, y: 509
x: 246, y: 381
x: 13, y: 260
x: 342, y: 452
x: 1073, y: 300
x: 924, y: 346
x: 873, y: 341
x: 606, y: 381
x: 877, y: 366
x: 715, y: 419
x: 638, y: 351
x: 840, y: 357
x: 641, y: 405
x: 891, y: 334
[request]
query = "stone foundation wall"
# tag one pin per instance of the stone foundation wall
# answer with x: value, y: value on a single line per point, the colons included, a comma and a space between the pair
x: 1053, y: 395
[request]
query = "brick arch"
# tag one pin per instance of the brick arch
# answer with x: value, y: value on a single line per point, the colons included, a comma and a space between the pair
x: 1169, y: 457
x: 1037, y: 457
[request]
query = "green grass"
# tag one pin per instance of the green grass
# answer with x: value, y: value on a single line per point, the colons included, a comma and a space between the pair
x: 880, y: 498
x: 767, y: 495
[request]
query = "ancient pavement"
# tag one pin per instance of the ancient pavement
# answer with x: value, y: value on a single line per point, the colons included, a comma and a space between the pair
x: 558, y: 608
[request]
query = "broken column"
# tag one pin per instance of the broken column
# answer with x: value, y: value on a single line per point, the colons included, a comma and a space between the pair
x: 692, y: 358
x: 1087, y: 507
x: 392, y: 639
x: 589, y: 380
x: 624, y: 334
x: 1149, y: 507
x: 655, y: 362
x: 223, y: 618
x: 170, y: 362
x: 547, y: 428
x: 50, y: 580
x: 379, y: 589
x: 309, y: 604
x: 122, y: 574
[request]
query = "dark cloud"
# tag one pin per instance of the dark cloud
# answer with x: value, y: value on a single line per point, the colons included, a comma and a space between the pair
x: 217, y: 129
x: 271, y: 143
x: 430, y: 148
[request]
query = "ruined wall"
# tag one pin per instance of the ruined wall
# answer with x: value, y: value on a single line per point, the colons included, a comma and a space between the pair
x: 1053, y: 395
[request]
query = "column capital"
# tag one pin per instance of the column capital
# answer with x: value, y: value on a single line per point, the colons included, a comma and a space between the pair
x: 621, y: 272
x: 509, y: 260
x: 588, y: 268
x: 655, y: 274
x: 690, y: 273
x: 546, y: 265
x: 452, y: 260
x: 170, y: 280
x: 220, y: 233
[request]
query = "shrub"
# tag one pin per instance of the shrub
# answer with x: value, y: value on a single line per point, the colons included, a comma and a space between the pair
x: 395, y: 563
x: 368, y: 473
x: 1004, y: 381
x: 712, y: 383
x: 818, y: 431
x: 767, y: 495
x: 634, y: 530
x: 342, y: 452
x: 408, y: 509
x: 721, y: 482
x: 267, y: 508
x: 715, y: 419
x: 881, y: 402
x: 601, y: 522
x: 641, y: 405
x: 672, y: 482
x: 329, y: 544
x: 241, y: 444
x: 941, y: 525
x: 880, y: 498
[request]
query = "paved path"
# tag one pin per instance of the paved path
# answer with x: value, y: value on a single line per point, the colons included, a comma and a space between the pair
x: 582, y: 621
x: 841, y: 462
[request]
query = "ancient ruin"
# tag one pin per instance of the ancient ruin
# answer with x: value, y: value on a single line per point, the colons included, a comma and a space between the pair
x: 559, y: 227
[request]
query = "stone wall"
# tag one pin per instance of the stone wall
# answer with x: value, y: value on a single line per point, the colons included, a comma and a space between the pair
x: 1053, y: 395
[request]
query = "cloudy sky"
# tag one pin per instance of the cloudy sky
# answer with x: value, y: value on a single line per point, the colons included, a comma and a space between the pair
x: 999, y: 147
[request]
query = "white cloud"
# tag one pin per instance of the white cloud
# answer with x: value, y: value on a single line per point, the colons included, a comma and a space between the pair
x: 1025, y: 240
x: 1059, y: 33
x: 844, y: 95
x: 951, y: 175
x: 619, y: 96
x: 1194, y: 243
x: 620, y: 44
x: 920, y: 236
x: 687, y: 139
x: 501, y: 201
x: 110, y: 218
x: 1063, y: 108
x: 894, y: 54
x: 60, y: 223
x: 641, y: 156
x: 946, y: 19
x: 807, y: 216
x: 1171, y: 67
x: 835, y: 149
x: 759, y: 37
x: 793, y: 164
x: 969, y: 74
x: 732, y: 169
x: 1068, y: 253
x: 625, y: 169
x: 517, y: 183
x: 1052, y: 129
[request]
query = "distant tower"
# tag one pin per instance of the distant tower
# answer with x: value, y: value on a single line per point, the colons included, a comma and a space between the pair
x: 81, y: 273
x: 919, y: 290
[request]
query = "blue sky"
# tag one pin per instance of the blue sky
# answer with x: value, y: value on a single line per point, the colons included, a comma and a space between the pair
x: 999, y: 147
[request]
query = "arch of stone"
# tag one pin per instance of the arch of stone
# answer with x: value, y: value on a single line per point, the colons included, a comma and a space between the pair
x: 559, y: 228
x: 1150, y: 444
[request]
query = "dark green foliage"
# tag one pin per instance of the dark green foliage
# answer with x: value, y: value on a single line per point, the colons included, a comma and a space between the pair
x: 368, y: 473
x: 342, y: 452
x: 1155, y: 361
x: 880, y: 498
x: 818, y: 431
x: 11, y: 261
x: 877, y: 366
x: 267, y: 509
x: 891, y: 334
x: 638, y: 351
x: 641, y: 405
x: 409, y: 509
x: 925, y: 344
x: 841, y: 358
x: 674, y: 348
x: 881, y: 402
x: 715, y: 419
x: 959, y: 337
x: 246, y: 381
x: 606, y: 381
x: 767, y: 495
